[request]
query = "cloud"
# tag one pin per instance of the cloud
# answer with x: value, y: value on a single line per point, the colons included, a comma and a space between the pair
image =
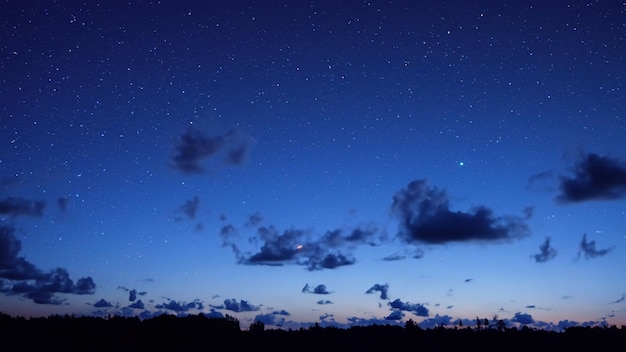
x: 523, y: 318
x: 394, y: 257
x: 395, y: 314
x: 437, y: 321
x: 195, y: 146
x: 180, y: 306
x: 595, y: 178
x: 31, y: 282
x: 241, y: 306
x: 589, y: 249
x: 379, y: 288
x: 254, y: 219
x: 545, y: 252
x: 137, y: 305
x: 16, y: 206
x: 295, y: 246
x: 620, y: 300
x: 318, y: 290
x: 214, y: 314
x: 323, y: 302
x: 132, y: 295
x: 190, y: 208
x: 102, y: 304
x: 468, y: 280
x: 417, y: 309
x: 426, y: 217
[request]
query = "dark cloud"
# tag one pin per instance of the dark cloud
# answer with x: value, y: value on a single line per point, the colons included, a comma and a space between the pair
x: 589, y: 249
x: 320, y: 290
x: 426, y: 217
x: 26, y: 279
x: 195, y: 146
x: 530, y: 307
x: 595, y: 178
x: 468, y: 280
x: 241, y: 306
x: 545, y: 252
x: 132, y: 295
x: 383, y: 289
x: 395, y: 314
x: 137, y: 305
x: 322, y: 302
x: 190, y: 208
x: 523, y: 318
x: 16, y: 206
x: 330, y: 261
x: 295, y: 247
x: 102, y: 304
x: 620, y: 300
x: 179, y: 306
x: 417, y: 309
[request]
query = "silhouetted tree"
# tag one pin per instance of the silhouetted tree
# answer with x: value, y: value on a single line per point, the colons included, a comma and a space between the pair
x: 257, y: 327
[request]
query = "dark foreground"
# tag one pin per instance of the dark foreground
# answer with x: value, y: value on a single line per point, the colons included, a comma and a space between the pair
x: 199, y: 333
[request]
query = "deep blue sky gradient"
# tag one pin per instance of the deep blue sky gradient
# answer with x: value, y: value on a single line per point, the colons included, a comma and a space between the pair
x: 300, y: 162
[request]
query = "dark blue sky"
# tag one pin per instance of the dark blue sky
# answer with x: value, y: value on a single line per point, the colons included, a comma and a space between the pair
x: 333, y: 162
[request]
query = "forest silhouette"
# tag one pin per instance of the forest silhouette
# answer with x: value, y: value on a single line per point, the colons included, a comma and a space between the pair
x: 201, y: 333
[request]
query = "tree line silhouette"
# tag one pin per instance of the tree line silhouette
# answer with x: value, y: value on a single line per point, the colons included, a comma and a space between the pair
x: 202, y: 333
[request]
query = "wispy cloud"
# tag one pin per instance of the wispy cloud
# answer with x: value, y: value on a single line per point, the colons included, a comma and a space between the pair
x: 589, y: 249
x: 545, y: 252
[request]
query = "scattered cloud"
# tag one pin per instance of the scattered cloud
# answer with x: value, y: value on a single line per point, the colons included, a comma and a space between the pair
x: 589, y: 249
x: 395, y: 314
x: 195, y: 146
x: 300, y: 247
x: 16, y: 206
x: 545, y: 252
x: 383, y: 289
x: 102, y: 304
x: 323, y: 302
x: 190, y: 208
x: 137, y: 305
x: 24, y: 278
x: 425, y: 217
x: 418, y: 309
x: 595, y: 178
x: 318, y: 290
x: 180, y: 306
x: 468, y: 280
x: 254, y: 219
x: 241, y: 306
x: 523, y: 318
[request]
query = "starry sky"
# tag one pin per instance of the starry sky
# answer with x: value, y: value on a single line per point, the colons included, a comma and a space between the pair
x: 341, y: 163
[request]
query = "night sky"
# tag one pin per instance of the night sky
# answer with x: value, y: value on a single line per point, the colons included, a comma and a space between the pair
x: 341, y: 163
